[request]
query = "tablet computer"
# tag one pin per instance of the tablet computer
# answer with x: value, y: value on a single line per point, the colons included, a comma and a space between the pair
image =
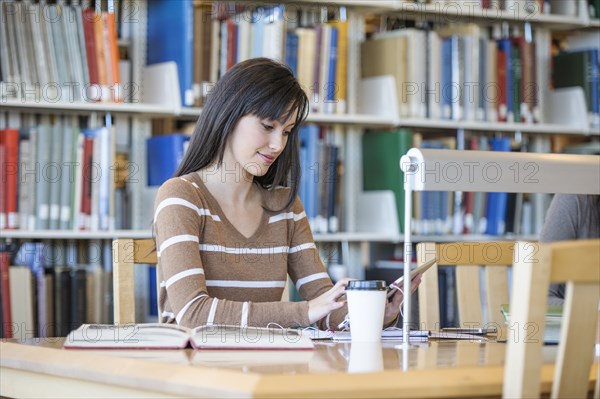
x: 418, y: 270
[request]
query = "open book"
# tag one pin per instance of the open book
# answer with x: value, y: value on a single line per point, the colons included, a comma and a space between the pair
x: 171, y: 336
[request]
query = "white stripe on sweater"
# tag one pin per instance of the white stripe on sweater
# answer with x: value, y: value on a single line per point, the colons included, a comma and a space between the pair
x: 181, y: 202
x: 186, y: 307
x: 288, y: 215
x: 175, y: 278
x: 176, y: 240
x: 244, y: 321
x: 212, y: 312
x: 243, y: 251
x: 310, y: 278
x: 302, y: 247
x: 245, y: 284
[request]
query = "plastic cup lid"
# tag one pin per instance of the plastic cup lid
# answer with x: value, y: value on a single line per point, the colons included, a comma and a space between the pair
x: 371, y: 285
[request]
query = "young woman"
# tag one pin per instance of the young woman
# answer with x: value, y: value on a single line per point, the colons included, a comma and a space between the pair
x: 229, y: 226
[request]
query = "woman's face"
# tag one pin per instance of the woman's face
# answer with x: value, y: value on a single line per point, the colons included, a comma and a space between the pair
x: 255, y: 144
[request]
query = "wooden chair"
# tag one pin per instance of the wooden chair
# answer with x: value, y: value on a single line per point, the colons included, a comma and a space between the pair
x: 494, y: 256
x: 126, y: 253
x: 576, y: 263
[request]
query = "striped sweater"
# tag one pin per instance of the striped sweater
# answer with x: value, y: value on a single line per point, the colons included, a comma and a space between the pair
x: 210, y: 273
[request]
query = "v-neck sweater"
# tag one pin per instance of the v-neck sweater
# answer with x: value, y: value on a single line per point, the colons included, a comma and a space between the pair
x: 210, y: 273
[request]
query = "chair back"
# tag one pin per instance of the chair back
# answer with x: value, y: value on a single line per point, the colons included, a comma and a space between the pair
x: 494, y: 256
x: 126, y: 253
x: 577, y: 264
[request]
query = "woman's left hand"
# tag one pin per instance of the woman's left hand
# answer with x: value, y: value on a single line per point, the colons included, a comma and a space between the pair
x: 392, y: 308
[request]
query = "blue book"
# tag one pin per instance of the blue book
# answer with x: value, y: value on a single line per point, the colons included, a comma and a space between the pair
x: 309, y: 135
x: 331, y: 82
x: 505, y: 45
x: 496, y: 203
x: 164, y: 154
x: 291, y: 52
x: 152, y: 292
x: 446, y: 89
x: 258, y: 25
x: 170, y: 33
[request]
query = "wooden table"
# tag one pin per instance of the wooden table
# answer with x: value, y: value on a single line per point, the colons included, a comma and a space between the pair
x: 41, y: 368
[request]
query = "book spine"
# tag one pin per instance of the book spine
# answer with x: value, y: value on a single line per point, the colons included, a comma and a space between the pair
x: 5, y: 297
x: 10, y: 172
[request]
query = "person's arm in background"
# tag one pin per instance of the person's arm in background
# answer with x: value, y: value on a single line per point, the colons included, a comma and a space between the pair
x: 561, y: 223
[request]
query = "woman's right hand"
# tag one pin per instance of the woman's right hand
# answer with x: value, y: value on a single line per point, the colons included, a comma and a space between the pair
x: 324, y: 304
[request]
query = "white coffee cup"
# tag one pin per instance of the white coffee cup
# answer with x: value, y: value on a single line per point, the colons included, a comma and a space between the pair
x: 366, y: 309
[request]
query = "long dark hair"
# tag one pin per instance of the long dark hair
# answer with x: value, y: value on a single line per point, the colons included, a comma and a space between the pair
x: 260, y: 87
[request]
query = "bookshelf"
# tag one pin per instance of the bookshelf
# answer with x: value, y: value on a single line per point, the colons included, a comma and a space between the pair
x: 134, y: 120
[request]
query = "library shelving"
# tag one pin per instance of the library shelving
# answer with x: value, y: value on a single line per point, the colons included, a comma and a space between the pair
x: 517, y: 12
x: 133, y: 120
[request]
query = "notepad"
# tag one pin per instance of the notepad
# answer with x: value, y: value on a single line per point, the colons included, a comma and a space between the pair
x: 552, y: 323
x: 171, y: 336
x: 386, y: 335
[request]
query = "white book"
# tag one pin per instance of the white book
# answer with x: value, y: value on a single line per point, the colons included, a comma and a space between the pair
x: 59, y: 55
x: 223, y: 53
x: 22, y: 306
x: 77, y: 217
x: 274, y: 34
x: 54, y: 174
x: 214, y: 50
x: 68, y: 176
x: 104, y: 178
x: 23, y: 183
x: 95, y: 177
x: 10, y: 31
x: 435, y: 76
x: 51, y: 91
x: 323, y: 67
x: 38, y: 46
x: 243, y: 39
x: 6, y: 52
x: 32, y: 166
x: 80, y: 40
x: 21, y: 47
x: 42, y: 191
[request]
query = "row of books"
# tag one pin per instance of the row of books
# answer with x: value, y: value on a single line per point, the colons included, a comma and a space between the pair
x: 59, y: 52
x: 58, y: 176
x: 521, y: 8
x: 467, y: 75
x: 207, y: 40
x: 46, y: 290
x: 443, y: 213
x: 470, y: 76
x: 320, y: 181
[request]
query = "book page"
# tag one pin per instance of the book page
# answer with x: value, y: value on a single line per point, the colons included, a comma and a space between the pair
x: 128, y: 336
x: 236, y: 337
